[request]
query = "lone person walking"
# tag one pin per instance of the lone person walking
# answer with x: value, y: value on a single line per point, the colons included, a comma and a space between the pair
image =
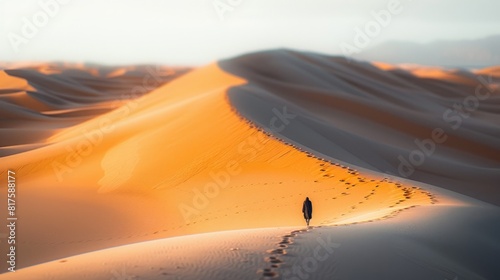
x: 307, y: 209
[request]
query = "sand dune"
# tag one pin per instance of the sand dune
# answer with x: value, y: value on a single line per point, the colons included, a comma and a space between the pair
x: 41, y: 99
x: 238, y: 145
x: 374, y: 116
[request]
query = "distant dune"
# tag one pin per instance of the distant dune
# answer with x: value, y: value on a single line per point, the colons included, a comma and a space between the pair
x: 478, y: 53
x: 201, y: 173
x: 60, y: 95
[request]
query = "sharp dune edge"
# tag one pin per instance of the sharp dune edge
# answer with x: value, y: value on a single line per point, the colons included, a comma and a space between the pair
x: 197, y: 155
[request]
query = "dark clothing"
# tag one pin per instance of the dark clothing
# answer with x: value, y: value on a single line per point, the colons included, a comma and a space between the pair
x: 307, y: 209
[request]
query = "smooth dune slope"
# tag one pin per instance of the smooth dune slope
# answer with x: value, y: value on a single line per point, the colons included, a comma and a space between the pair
x: 219, y: 255
x: 178, y: 161
x: 424, y: 123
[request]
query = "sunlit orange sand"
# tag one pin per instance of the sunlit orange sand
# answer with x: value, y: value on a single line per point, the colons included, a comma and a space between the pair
x: 181, y: 161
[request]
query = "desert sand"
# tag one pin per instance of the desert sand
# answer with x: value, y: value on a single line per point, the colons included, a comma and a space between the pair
x: 201, y: 176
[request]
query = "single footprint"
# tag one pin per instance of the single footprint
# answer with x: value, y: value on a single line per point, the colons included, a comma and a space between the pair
x: 268, y: 273
x: 273, y: 259
x: 279, y: 251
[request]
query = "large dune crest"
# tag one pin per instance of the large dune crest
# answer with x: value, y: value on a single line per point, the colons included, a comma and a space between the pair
x: 428, y: 124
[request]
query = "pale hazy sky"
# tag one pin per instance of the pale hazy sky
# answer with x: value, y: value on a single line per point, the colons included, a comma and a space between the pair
x: 192, y: 32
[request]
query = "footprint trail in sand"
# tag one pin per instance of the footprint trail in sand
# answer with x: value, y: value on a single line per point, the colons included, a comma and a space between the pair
x: 275, y: 258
